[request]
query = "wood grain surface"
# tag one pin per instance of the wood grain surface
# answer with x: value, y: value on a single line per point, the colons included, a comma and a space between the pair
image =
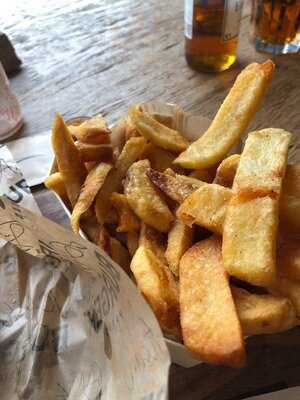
x: 82, y: 57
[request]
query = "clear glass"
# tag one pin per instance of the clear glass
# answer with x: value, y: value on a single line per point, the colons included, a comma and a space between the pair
x: 10, y: 113
x: 276, y: 26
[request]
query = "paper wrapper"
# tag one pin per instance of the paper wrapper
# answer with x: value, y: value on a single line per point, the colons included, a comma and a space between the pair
x: 72, y: 324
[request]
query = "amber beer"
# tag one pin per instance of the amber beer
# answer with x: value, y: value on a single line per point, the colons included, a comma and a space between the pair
x: 276, y: 25
x: 211, y: 33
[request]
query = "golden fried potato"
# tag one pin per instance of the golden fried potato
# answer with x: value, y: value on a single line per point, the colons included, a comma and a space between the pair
x: 226, y: 170
x: 249, y: 240
x: 180, y: 238
x: 132, y: 241
x: 159, y: 158
x: 290, y: 199
x: 93, y: 130
x: 128, y: 221
x: 158, y: 134
x: 130, y: 130
x: 175, y: 186
x: 263, y: 313
x: 262, y: 164
x: 130, y: 153
x: 204, y: 175
x: 94, y: 181
x: 117, y: 252
x: 250, y: 228
x: 288, y: 258
x: 95, y: 152
x: 144, y: 199
x: 153, y: 240
x: 288, y: 288
x: 120, y: 255
x: 68, y: 159
x: 206, y: 207
x: 210, y: 325
x: 56, y: 183
x: 231, y: 120
x: 157, y: 284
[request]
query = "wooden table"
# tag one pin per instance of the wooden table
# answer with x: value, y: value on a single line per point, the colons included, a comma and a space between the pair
x: 88, y: 56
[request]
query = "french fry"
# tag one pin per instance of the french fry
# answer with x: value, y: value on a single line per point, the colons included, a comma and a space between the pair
x: 249, y: 240
x: 263, y: 313
x: 95, y: 152
x: 232, y: 118
x: 144, y: 199
x: 288, y: 258
x: 158, y: 134
x: 130, y: 130
x: 262, y: 164
x: 204, y: 175
x: 180, y: 239
x: 120, y: 255
x: 177, y: 187
x: 250, y: 228
x: 56, y: 183
x: 153, y: 240
x: 128, y: 221
x: 159, y: 288
x: 117, y: 136
x: 68, y: 160
x: 132, y: 241
x: 159, y: 158
x: 130, y: 153
x: 94, y: 181
x: 210, y: 326
x: 290, y: 199
x: 288, y: 288
x: 226, y: 170
x: 206, y: 207
x: 94, y: 130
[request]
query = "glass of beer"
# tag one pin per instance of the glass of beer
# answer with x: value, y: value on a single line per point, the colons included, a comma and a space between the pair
x: 276, y: 25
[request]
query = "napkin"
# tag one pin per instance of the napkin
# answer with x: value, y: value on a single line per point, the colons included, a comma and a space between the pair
x: 72, y: 324
x: 34, y: 156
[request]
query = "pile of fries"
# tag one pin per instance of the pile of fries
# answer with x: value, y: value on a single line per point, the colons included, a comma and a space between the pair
x: 210, y: 239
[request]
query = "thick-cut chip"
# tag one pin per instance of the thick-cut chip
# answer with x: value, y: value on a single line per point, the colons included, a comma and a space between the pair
x: 232, y: 118
x: 130, y: 153
x: 290, y: 199
x: 158, y: 134
x: 92, y: 185
x: 262, y: 164
x: 158, y: 286
x: 226, y: 170
x: 288, y: 258
x: 210, y: 325
x: 263, y: 313
x: 68, y: 159
x: 144, y: 199
x: 93, y: 130
x: 114, y: 249
x: 250, y: 228
x: 204, y: 175
x: 206, y: 207
x: 128, y: 221
x: 132, y: 241
x: 153, y: 240
x: 180, y: 238
x: 177, y: 187
x: 249, y: 240
x: 288, y: 288
x: 95, y: 152
x: 160, y: 159
x: 56, y: 183
x: 120, y: 255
